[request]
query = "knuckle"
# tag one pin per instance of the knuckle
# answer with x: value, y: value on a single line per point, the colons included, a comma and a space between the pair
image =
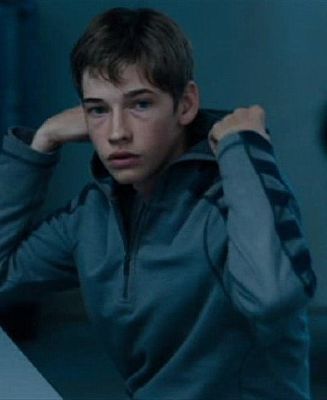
x: 239, y: 110
x: 258, y: 109
x: 217, y: 126
x: 228, y: 118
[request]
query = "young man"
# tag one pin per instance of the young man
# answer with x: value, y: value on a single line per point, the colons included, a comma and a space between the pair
x: 187, y: 243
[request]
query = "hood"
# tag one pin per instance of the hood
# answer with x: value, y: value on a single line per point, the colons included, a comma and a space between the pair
x: 199, y: 148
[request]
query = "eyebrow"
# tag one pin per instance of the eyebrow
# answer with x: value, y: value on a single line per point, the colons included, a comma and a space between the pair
x: 128, y: 95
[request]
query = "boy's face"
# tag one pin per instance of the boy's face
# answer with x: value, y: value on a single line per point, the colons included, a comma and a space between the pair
x: 133, y: 126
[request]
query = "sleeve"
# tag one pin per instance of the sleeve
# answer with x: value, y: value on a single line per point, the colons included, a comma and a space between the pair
x: 33, y: 259
x: 268, y: 271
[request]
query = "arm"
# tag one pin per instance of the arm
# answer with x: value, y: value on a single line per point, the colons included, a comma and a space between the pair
x: 68, y: 126
x: 36, y: 258
x: 268, y: 271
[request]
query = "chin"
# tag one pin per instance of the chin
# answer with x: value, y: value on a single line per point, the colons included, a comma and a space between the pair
x: 127, y: 177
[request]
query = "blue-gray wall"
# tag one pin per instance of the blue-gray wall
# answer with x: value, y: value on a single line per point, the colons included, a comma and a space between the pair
x: 270, y: 52
x: 19, y: 52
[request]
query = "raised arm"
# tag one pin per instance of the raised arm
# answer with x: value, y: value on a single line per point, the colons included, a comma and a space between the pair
x: 34, y: 258
x: 268, y: 272
x: 68, y: 126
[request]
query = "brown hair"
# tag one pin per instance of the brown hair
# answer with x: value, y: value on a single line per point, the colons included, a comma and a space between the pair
x: 143, y: 37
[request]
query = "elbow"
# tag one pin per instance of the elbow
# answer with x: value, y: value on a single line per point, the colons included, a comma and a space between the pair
x: 273, y: 304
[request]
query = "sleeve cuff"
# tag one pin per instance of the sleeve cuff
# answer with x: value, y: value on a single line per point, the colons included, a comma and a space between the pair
x: 17, y: 144
x: 242, y: 138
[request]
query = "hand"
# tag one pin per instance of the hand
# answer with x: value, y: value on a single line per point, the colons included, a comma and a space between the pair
x: 242, y: 119
x: 68, y: 126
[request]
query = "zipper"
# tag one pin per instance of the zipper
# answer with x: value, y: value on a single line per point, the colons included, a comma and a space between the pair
x: 131, y: 242
x: 125, y: 241
x: 131, y: 249
x: 126, y: 271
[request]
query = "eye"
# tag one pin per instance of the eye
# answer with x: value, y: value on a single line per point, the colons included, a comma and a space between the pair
x: 96, y: 111
x: 143, y: 104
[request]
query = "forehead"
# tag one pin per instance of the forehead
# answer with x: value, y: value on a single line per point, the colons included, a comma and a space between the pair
x: 131, y: 78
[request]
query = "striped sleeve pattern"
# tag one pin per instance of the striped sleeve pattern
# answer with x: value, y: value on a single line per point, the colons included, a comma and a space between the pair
x: 284, y: 207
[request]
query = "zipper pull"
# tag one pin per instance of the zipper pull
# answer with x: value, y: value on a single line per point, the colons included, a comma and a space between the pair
x: 126, y: 271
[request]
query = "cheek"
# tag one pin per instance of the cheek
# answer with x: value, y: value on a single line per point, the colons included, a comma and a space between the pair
x: 94, y: 139
x: 158, y: 135
x: 98, y: 143
x: 154, y: 141
x: 98, y: 129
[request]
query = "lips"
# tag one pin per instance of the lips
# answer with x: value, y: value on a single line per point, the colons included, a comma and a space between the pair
x: 123, y: 159
x: 121, y: 155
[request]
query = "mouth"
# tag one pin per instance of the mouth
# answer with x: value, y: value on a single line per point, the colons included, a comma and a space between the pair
x: 123, y: 160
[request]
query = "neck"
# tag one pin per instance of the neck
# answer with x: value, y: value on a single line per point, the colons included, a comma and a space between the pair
x: 145, y: 190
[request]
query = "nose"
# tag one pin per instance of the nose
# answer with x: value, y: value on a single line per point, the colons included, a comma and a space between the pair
x: 119, y: 131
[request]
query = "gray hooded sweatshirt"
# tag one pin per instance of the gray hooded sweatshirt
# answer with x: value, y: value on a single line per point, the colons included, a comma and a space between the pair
x: 198, y: 294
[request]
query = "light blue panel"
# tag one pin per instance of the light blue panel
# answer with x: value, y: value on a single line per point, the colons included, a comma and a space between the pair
x: 19, y: 379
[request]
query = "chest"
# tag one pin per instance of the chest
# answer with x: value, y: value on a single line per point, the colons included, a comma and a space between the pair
x: 167, y: 249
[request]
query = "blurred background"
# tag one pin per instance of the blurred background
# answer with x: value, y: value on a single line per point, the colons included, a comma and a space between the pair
x: 268, y: 52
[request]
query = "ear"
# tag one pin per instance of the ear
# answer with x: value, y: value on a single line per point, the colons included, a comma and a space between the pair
x: 188, y: 106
